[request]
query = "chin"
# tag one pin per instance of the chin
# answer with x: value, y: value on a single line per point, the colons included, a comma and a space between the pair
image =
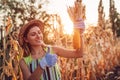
x: 38, y: 44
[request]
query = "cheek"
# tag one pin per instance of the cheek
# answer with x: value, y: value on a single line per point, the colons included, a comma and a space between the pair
x: 29, y: 39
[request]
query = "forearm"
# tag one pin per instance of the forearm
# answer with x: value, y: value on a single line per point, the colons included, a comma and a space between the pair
x: 27, y: 75
x: 78, y: 42
x: 36, y: 74
x: 68, y: 53
x: 80, y: 50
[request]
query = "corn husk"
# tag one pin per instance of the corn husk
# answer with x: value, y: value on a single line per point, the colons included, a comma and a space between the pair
x: 75, y: 13
x: 76, y: 39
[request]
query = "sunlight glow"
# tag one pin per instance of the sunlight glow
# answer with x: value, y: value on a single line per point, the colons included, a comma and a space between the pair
x: 68, y: 27
x: 92, y: 9
x: 60, y: 7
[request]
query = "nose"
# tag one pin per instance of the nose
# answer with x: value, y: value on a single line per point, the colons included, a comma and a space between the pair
x: 39, y: 36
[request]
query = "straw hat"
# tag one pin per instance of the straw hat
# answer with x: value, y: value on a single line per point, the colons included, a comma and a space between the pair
x: 26, y: 28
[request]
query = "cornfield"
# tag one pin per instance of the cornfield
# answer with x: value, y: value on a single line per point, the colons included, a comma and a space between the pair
x: 100, y: 60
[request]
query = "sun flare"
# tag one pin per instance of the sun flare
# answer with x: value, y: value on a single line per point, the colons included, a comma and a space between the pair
x: 61, y: 9
x: 68, y: 27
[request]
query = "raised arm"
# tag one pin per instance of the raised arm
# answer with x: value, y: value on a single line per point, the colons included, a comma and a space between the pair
x: 68, y: 53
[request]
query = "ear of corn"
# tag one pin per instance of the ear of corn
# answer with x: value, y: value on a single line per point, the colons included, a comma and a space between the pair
x: 76, y: 39
x: 75, y: 12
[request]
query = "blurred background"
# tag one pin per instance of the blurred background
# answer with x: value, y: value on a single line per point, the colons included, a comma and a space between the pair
x: 101, y: 37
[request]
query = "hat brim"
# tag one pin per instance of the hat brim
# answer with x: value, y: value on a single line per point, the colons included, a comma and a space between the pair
x: 26, y: 27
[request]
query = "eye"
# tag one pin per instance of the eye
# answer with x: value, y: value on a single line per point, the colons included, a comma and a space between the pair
x: 33, y: 34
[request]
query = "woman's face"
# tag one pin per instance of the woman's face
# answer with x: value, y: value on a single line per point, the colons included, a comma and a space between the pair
x: 34, y: 36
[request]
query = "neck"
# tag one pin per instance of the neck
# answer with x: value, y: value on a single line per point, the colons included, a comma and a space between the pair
x: 36, y: 50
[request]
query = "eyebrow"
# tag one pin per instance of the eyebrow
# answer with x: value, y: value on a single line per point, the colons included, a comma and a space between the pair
x: 35, y: 31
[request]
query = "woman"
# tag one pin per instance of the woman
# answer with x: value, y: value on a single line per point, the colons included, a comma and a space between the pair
x: 39, y: 60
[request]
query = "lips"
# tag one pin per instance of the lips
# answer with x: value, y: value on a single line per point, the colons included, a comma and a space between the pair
x: 39, y: 41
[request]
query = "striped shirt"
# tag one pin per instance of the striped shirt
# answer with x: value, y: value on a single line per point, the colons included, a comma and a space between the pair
x: 52, y: 73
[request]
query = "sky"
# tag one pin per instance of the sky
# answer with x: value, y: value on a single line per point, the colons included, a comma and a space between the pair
x: 59, y: 6
x: 92, y: 9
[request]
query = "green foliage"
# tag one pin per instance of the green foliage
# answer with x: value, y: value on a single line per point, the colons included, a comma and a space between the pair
x: 115, y: 19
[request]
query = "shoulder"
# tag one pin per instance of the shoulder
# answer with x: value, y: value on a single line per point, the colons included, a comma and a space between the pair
x: 23, y: 65
x: 25, y: 60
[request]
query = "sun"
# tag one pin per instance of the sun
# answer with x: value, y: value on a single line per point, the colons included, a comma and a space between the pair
x: 61, y: 9
x: 68, y: 25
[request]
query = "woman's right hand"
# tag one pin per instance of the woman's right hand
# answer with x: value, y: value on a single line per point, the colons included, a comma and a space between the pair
x: 48, y: 60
